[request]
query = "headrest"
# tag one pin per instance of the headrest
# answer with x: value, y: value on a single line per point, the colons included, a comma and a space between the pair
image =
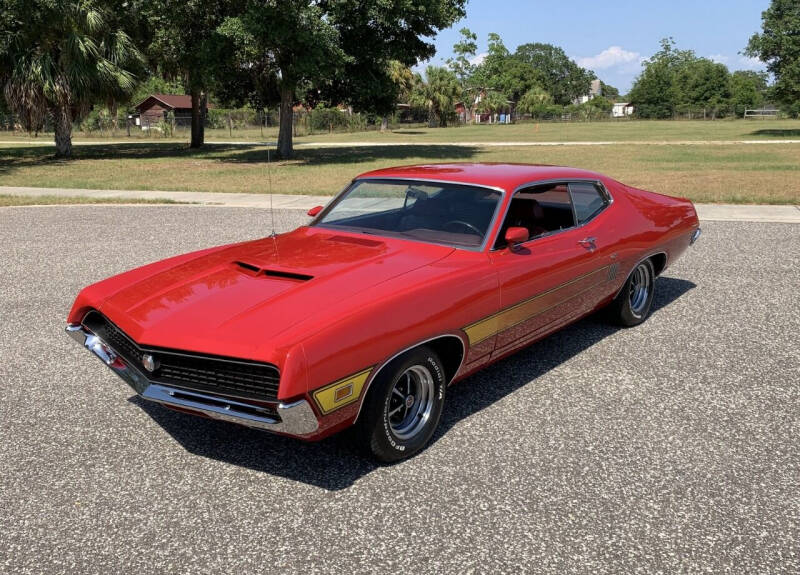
x: 537, y: 210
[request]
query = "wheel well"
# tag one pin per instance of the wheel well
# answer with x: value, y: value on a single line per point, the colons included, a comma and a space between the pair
x: 659, y: 262
x: 450, y: 350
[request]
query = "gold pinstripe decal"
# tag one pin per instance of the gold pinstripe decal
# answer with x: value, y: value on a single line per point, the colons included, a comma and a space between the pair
x: 527, y: 309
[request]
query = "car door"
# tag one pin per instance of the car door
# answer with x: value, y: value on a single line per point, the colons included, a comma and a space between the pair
x: 554, y: 277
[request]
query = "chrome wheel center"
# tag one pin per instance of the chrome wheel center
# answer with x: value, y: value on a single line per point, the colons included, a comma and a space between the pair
x: 411, y: 402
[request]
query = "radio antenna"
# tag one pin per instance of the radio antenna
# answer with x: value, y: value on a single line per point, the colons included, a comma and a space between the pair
x: 269, y: 184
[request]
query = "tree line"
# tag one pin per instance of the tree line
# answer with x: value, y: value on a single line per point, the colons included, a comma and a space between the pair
x: 59, y: 58
x: 679, y: 82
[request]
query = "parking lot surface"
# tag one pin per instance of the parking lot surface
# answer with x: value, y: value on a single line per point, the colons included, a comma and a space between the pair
x: 669, y: 447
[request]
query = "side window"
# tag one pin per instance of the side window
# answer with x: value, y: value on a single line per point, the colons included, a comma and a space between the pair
x: 587, y: 199
x: 539, y: 209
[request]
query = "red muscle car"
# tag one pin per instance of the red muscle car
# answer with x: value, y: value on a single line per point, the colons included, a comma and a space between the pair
x: 409, y: 280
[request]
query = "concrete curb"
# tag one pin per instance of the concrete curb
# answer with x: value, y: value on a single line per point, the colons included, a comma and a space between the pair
x: 706, y: 212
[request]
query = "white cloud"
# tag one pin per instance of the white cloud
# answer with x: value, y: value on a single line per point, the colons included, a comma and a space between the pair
x: 611, y: 57
x: 747, y: 63
x: 478, y: 59
x: 719, y: 58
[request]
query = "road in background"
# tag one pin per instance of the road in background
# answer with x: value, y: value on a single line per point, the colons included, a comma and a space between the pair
x: 668, y: 447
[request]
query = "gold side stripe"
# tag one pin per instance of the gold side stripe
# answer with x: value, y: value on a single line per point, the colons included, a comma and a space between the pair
x: 336, y: 395
x: 527, y: 309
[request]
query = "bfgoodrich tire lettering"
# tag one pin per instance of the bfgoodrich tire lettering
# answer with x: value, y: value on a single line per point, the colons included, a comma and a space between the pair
x: 403, y: 406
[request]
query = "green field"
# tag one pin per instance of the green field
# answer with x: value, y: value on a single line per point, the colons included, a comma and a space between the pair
x: 653, y: 157
x: 616, y: 131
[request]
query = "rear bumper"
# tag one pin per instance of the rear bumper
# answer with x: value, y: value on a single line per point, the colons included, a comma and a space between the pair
x: 295, y: 418
x: 695, y: 235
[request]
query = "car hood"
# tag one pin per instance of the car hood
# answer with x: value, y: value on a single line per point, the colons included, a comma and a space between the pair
x: 234, y: 300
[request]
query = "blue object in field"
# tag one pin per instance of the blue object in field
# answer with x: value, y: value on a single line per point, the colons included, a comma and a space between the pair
x: 502, y: 118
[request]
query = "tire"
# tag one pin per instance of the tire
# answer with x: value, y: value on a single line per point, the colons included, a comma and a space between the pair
x: 402, y: 407
x: 632, y: 304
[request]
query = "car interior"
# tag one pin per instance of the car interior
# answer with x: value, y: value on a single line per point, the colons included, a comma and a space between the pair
x: 541, y: 210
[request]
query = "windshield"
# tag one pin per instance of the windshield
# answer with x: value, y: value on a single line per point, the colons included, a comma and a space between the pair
x: 450, y: 214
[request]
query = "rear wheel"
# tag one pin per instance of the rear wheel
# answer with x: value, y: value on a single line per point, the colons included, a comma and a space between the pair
x: 633, y: 302
x: 403, y: 406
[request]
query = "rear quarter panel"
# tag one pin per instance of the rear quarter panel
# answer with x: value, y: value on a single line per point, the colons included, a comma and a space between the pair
x: 649, y: 223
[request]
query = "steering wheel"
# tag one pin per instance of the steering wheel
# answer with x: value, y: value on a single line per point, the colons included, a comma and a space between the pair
x: 467, y: 225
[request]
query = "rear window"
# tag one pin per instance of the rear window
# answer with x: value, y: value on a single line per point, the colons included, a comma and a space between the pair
x: 587, y: 199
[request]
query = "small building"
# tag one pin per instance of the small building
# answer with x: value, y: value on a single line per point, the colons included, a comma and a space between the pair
x: 622, y: 110
x: 155, y: 107
x: 595, y: 89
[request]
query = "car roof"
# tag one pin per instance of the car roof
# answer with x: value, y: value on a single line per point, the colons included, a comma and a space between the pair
x: 505, y: 176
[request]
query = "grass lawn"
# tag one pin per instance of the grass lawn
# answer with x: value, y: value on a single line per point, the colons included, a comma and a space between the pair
x: 617, y: 131
x: 731, y: 173
x: 9, y: 200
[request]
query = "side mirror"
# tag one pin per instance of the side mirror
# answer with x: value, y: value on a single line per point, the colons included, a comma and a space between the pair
x: 515, y: 236
x: 314, y: 211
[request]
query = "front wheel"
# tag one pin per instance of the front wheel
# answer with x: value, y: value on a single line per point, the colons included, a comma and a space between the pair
x: 403, y: 406
x: 633, y: 302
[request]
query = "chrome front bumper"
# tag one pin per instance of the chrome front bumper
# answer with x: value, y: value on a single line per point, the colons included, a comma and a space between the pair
x: 295, y: 418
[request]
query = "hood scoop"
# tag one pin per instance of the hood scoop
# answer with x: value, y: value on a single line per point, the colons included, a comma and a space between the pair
x: 357, y: 241
x: 272, y: 273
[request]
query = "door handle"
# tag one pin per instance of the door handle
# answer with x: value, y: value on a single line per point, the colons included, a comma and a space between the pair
x: 589, y: 243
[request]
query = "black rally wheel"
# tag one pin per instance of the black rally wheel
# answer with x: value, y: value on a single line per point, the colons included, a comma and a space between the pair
x: 403, y: 406
x: 633, y: 302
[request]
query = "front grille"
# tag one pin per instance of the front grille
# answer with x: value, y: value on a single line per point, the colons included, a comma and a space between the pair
x: 222, y: 376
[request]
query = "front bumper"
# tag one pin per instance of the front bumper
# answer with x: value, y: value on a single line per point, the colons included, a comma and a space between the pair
x: 295, y: 418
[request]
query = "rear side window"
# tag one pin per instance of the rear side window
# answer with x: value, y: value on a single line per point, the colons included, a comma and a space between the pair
x: 588, y: 200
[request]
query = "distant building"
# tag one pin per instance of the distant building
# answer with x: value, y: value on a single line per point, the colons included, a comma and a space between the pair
x: 155, y: 107
x: 595, y: 89
x: 621, y: 110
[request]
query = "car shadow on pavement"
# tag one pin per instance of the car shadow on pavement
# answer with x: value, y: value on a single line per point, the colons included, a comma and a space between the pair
x: 334, y: 463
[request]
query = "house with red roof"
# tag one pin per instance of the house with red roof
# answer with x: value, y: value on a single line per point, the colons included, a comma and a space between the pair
x: 155, y: 107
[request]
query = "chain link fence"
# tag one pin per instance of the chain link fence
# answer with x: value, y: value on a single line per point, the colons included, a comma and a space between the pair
x: 247, y: 123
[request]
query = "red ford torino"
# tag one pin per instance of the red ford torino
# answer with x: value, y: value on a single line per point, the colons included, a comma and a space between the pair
x: 409, y: 280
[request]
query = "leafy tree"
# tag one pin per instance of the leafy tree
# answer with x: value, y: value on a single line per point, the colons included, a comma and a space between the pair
x: 536, y: 102
x: 673, y: 79
x: 464, y: 51
x: 608, y: 91
x: 652, y: 91
x: 438, y: 92
x: 461, y: 65
x: 778, y: 45
x: 502, y: 72
x: 341, y: 49
x: 59, y: 57
x: 187, y: 43
x: 560, y: 76
x: 748, y: 89
x: 701, y: 83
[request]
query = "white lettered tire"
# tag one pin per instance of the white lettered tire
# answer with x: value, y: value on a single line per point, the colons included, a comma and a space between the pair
x: 403, y: 406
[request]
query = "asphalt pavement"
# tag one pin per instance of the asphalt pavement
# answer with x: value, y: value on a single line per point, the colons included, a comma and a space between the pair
x: 670, y: 447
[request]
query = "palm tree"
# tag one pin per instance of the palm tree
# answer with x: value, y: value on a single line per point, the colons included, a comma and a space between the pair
x: 438, y: 92
x: 403, y: 79
x: 535, y: 101
x: 492, y: 102
x: 58, y: 58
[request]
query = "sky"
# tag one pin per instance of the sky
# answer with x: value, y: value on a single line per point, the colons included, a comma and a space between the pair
x: 613, y: 37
